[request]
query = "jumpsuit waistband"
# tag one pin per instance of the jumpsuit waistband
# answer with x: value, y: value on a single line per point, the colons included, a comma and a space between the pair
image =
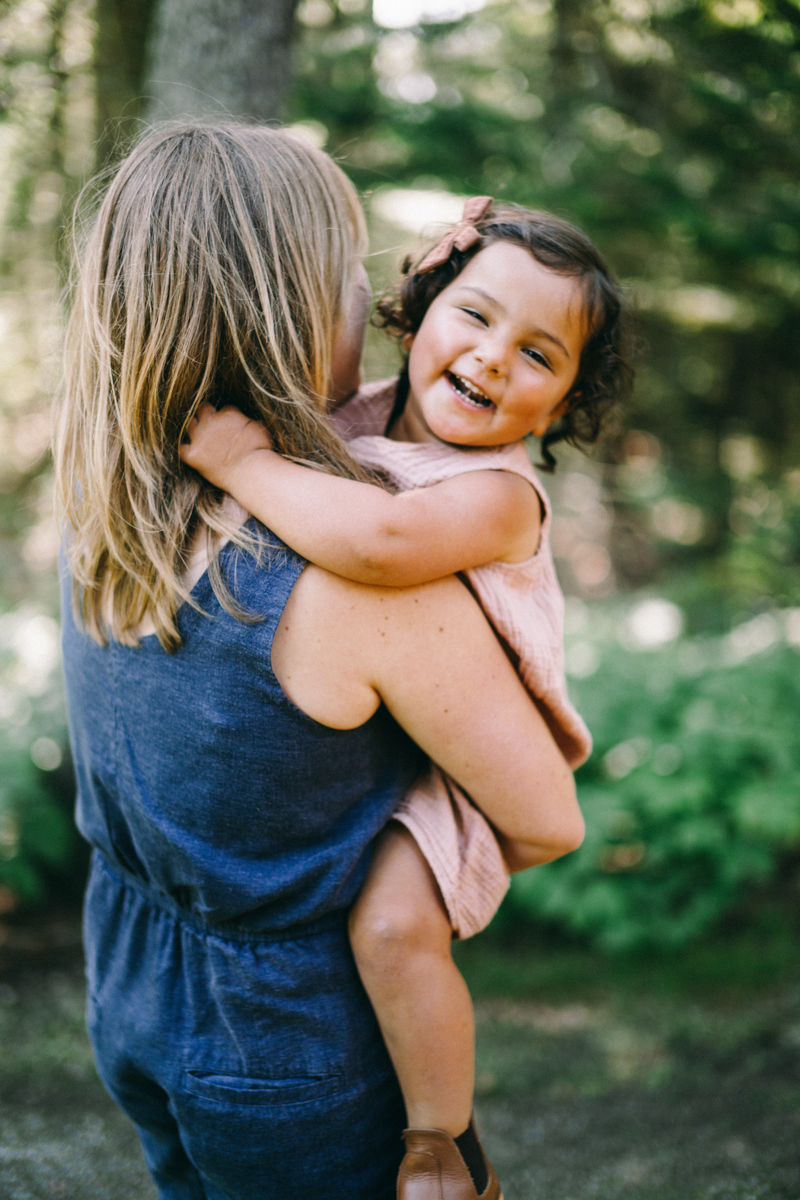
x: 329, y: 921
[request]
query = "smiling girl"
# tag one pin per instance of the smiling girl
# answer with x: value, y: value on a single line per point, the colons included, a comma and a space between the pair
x: 511, y: 326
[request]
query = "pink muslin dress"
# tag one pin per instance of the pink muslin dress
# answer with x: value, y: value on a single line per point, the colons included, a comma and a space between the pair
x: 525, y: 605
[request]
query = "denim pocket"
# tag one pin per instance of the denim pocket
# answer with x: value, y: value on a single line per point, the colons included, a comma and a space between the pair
x: 243, y: 1089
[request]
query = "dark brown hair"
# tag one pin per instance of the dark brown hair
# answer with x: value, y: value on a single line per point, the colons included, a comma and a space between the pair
x: 604, y: 373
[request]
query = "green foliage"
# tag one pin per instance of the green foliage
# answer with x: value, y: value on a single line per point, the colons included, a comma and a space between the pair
x: 692, y: 794
x: 670, y: 132
x: 38, y: 844
x: 758, y: 561
x: 35, y: 834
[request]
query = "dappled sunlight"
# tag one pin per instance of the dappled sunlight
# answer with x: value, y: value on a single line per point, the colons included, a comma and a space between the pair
x: 400, y: 14
x: 669, y: 133
x: 637, y: 1000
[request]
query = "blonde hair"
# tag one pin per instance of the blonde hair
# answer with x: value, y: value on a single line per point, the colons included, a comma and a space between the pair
x: 216, y: 269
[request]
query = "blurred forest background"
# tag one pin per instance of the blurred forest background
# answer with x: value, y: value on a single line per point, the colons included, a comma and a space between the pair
x: 668, y: 129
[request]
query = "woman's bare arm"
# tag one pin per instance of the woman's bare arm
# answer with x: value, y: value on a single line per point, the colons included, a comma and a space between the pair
x: 358, y: 530
x: 430, y: 655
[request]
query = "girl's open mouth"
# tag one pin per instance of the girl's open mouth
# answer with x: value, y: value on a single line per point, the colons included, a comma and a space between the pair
x: 468, y: 393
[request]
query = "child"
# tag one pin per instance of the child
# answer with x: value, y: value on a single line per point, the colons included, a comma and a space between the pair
x: 511, y: 324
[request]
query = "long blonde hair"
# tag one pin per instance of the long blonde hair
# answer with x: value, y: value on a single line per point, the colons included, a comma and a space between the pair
x: 216, y: 269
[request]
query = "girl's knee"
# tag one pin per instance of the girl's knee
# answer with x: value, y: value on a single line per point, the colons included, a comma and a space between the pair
x: 380, y: 931
x: 399, y: 913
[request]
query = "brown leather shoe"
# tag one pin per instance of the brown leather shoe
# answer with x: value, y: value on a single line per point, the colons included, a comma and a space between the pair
x: 433, y: 1169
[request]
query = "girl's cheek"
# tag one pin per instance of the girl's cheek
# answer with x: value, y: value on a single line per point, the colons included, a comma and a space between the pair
x: 422, y: 360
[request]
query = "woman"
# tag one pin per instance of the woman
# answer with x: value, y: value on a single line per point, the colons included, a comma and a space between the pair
x: 242, y: 727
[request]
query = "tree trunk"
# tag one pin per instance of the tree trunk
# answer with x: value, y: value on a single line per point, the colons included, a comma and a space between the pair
x: 122, y: 28
x: 219, y: 58
x: 188, y: 58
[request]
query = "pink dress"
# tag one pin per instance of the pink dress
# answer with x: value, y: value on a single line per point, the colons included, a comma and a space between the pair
x: 524, y: 604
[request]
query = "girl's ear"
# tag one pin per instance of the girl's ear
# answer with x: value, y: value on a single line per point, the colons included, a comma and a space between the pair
x: 407, y: 342
x: 560, y: 409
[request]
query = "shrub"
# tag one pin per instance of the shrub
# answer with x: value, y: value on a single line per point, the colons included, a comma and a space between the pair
x: 38, y: 842
x: 36, y: 835
x: 691, y: 796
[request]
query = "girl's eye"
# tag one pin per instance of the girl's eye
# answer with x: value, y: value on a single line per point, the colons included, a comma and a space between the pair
x: 537, y: 356
x: 473, y: 312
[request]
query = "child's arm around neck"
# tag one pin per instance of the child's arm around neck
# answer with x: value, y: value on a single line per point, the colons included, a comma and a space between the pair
x: 358, y: 530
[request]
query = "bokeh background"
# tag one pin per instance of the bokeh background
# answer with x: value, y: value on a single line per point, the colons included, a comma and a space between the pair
x: 668, y: 129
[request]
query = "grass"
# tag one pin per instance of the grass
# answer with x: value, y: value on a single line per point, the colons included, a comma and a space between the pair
x: 660, y: 1077
x: 651, y: 1077
x: 60, y: 1135
x: 524, y: 965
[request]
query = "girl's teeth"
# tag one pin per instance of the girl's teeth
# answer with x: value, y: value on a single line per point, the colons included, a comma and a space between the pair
x: 469, y: 393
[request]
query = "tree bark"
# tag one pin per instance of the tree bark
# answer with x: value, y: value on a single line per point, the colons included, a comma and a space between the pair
x: 122, y: 28
x: 219, y: 58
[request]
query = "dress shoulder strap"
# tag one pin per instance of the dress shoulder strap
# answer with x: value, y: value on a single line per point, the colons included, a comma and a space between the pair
x: 367, y: 411
x: 420, y: 464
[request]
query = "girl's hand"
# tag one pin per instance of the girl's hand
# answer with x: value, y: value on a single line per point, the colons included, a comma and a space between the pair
x: 219, y: 442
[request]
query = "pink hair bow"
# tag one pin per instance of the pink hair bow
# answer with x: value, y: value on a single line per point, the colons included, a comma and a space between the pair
x: 461, y: 237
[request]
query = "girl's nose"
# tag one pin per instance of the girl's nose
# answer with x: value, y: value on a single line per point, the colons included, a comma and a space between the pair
x: 491, y: 354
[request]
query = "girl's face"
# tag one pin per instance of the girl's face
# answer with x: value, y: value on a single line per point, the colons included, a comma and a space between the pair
x: 496, y: 354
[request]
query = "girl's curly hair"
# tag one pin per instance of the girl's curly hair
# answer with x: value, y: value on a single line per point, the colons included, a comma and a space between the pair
x: 604, y: 373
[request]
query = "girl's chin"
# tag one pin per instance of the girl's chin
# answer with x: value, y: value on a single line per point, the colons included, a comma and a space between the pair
x: 459, y: 427
x: 457, y: 435
x: 477, y: 435
x: 453, y: 420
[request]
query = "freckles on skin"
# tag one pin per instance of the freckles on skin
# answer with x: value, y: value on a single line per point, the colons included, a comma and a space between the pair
x: 497, y: 352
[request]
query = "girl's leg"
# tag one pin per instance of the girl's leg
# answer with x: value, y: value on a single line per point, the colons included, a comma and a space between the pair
x: 401, y: 940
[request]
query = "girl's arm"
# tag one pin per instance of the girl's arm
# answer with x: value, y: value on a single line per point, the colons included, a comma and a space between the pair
x: 358, y: 530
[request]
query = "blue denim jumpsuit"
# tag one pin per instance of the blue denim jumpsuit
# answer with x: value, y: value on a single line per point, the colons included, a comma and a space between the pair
x: 231, y: 833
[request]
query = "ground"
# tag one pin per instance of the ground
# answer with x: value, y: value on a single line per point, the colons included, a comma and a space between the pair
x: 596, y: 1081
